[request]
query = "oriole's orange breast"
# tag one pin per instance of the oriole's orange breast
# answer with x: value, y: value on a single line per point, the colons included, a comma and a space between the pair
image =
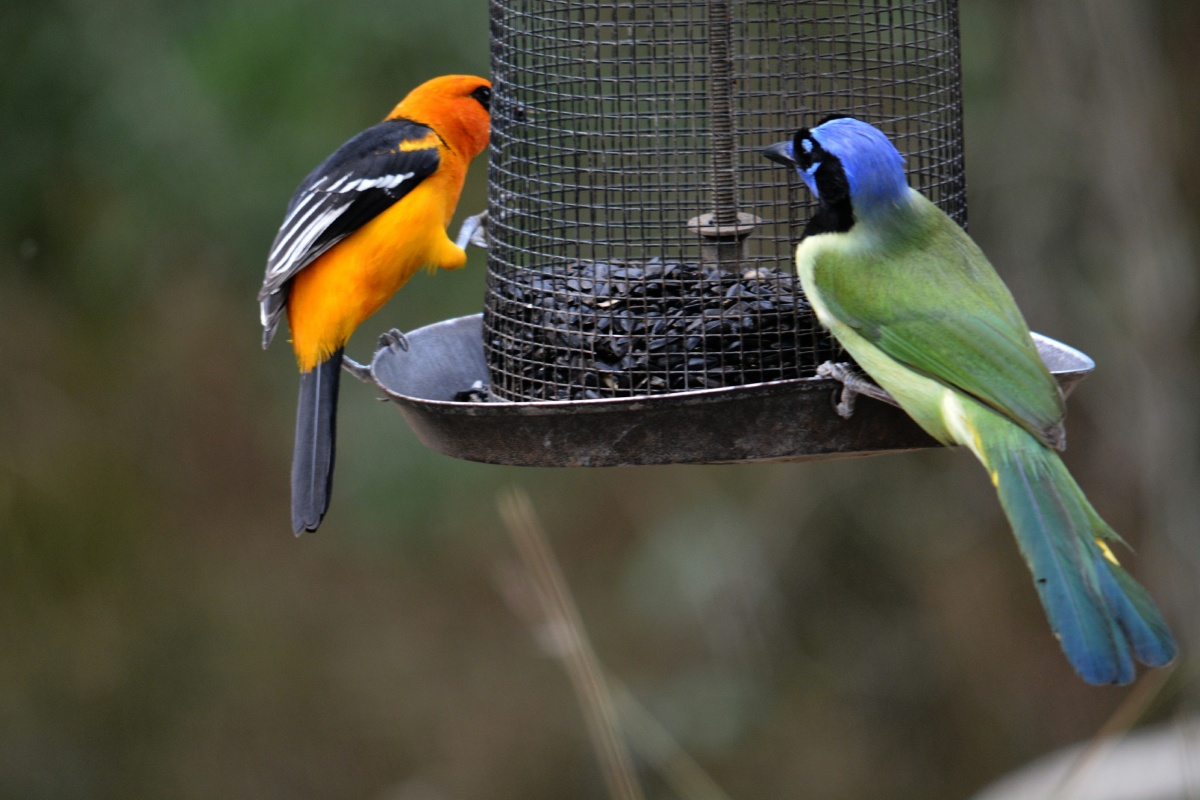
x: 333, y: 295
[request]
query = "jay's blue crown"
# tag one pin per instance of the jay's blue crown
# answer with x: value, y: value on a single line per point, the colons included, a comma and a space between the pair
x: 873, y: 166
x: 846, y: 163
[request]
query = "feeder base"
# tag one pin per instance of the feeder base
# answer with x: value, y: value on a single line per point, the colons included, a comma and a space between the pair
x: 790, y: 420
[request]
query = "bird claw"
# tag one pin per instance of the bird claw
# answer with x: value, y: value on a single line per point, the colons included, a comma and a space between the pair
x: 853, y: 385
x: 394, y: 340
x: 473, y: 231
x: 360, y: 371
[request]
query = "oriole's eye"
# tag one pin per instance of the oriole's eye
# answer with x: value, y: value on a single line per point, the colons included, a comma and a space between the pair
x: 484, y: 95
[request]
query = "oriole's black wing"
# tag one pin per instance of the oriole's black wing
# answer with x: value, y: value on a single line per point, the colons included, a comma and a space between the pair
x: 349, y: 189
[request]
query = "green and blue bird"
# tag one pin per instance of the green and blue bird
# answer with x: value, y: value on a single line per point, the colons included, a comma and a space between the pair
x: 917, y: 304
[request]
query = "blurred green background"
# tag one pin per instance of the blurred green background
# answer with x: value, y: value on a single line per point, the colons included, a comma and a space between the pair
x: 836, y: 630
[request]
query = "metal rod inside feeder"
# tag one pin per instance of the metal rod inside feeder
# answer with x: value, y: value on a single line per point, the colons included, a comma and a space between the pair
x: 721, y: 108
x: 724, y: 230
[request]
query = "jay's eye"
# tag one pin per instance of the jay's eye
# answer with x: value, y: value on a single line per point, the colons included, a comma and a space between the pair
x: 805, y: 150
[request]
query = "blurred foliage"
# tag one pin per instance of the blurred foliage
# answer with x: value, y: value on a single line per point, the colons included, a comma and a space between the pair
x: 828, y: 630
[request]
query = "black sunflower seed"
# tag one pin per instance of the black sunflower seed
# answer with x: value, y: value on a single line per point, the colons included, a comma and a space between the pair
x: 596, y: 329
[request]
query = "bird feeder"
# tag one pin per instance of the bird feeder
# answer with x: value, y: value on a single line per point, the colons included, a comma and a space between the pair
x: 641, y: 304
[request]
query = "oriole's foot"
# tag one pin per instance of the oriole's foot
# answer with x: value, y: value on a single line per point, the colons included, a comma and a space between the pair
x: 394, y: 340
x: 360, y: 371
x: 853, y: 385
x: 473, y: 231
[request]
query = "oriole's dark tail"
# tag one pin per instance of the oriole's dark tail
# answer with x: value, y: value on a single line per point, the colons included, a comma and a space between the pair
x: 1103, y: 618
x: 316, y: 432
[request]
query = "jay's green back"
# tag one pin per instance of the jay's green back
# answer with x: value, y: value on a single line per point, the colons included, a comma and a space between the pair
x: 920, y: 290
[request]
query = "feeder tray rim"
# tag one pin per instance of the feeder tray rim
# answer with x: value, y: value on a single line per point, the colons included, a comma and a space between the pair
x: 1084, y: 366
x: 815, y: 382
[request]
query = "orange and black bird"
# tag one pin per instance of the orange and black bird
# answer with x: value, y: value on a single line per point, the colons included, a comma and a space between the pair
x: 355, y: 231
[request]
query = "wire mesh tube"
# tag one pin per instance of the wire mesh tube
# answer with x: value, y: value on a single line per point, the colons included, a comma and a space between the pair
x: 616, y: 123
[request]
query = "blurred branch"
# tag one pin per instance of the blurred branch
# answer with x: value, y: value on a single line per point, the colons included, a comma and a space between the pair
x: 1157, y: 763
x: 538, y: 594
x: 655, y: 744
x: 566, y: 638
x: 1126, y: 715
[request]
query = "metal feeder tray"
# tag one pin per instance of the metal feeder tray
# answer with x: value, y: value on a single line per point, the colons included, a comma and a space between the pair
x: 787, y: 420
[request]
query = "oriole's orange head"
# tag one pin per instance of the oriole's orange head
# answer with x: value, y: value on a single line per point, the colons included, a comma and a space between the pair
x: 456, y: 106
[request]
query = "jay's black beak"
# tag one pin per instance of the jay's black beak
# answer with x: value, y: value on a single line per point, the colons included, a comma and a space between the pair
x: 780, y: 154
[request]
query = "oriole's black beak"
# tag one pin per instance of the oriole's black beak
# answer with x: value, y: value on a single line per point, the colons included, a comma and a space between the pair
x: 780, y: 153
